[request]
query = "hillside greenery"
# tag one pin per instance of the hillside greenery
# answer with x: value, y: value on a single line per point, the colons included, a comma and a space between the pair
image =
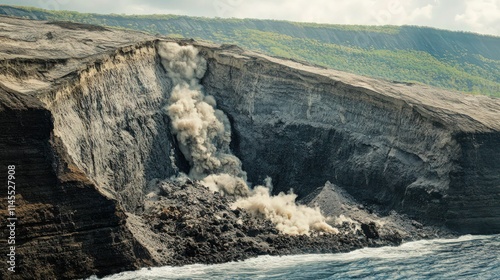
x: 458, y: 61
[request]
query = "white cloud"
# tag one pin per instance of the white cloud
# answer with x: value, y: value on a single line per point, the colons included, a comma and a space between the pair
x: 481, y: 16
x: 407, y: 13
x: 325, y: 11
x: 422, y: 13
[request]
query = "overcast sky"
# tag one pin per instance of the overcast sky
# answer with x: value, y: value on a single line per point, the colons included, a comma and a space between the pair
x: 481, y: 16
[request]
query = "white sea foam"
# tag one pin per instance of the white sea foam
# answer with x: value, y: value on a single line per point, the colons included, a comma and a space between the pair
x: 426, y: 259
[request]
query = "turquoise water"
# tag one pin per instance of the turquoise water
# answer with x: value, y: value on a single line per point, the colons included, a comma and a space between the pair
x: 467, y: 257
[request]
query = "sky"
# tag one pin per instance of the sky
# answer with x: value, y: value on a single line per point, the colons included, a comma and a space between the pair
x: 480, y: 16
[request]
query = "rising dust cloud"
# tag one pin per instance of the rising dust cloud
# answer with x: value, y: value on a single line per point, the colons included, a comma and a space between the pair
x: 204, y: 134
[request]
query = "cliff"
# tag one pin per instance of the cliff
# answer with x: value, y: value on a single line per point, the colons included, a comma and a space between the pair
x: 64, y: 219
x: 420, y: 150
x: 82, y: 113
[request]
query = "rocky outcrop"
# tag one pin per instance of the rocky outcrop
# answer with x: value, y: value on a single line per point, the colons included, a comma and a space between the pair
x: 82, y: 111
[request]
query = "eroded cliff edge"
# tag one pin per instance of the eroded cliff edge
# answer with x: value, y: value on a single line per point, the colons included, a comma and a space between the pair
x: 94, y: 99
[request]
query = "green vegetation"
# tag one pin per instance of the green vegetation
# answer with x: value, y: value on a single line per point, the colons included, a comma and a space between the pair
x: 453, y: 60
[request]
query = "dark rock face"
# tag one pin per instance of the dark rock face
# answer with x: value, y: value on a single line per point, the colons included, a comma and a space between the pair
x: 66, y: 228
x: 473, y: 202
x: 418, y: 150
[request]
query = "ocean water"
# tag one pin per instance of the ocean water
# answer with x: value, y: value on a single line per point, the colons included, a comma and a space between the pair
x: 467, y: 257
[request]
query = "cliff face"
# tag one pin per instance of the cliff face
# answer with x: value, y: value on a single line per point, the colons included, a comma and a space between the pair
x: 474, y: 185
x: 69, y: 225
x: 63, y: 220
x: 109, y: 117
x: 82, y: 111
x: 423, y: 151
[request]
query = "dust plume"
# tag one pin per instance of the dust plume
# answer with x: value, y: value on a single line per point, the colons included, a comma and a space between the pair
x: 204, y: 134
x: 288, y: 217
x: 226, y: 184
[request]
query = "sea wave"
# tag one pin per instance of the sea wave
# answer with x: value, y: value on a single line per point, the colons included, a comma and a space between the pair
x: 466, y: 257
